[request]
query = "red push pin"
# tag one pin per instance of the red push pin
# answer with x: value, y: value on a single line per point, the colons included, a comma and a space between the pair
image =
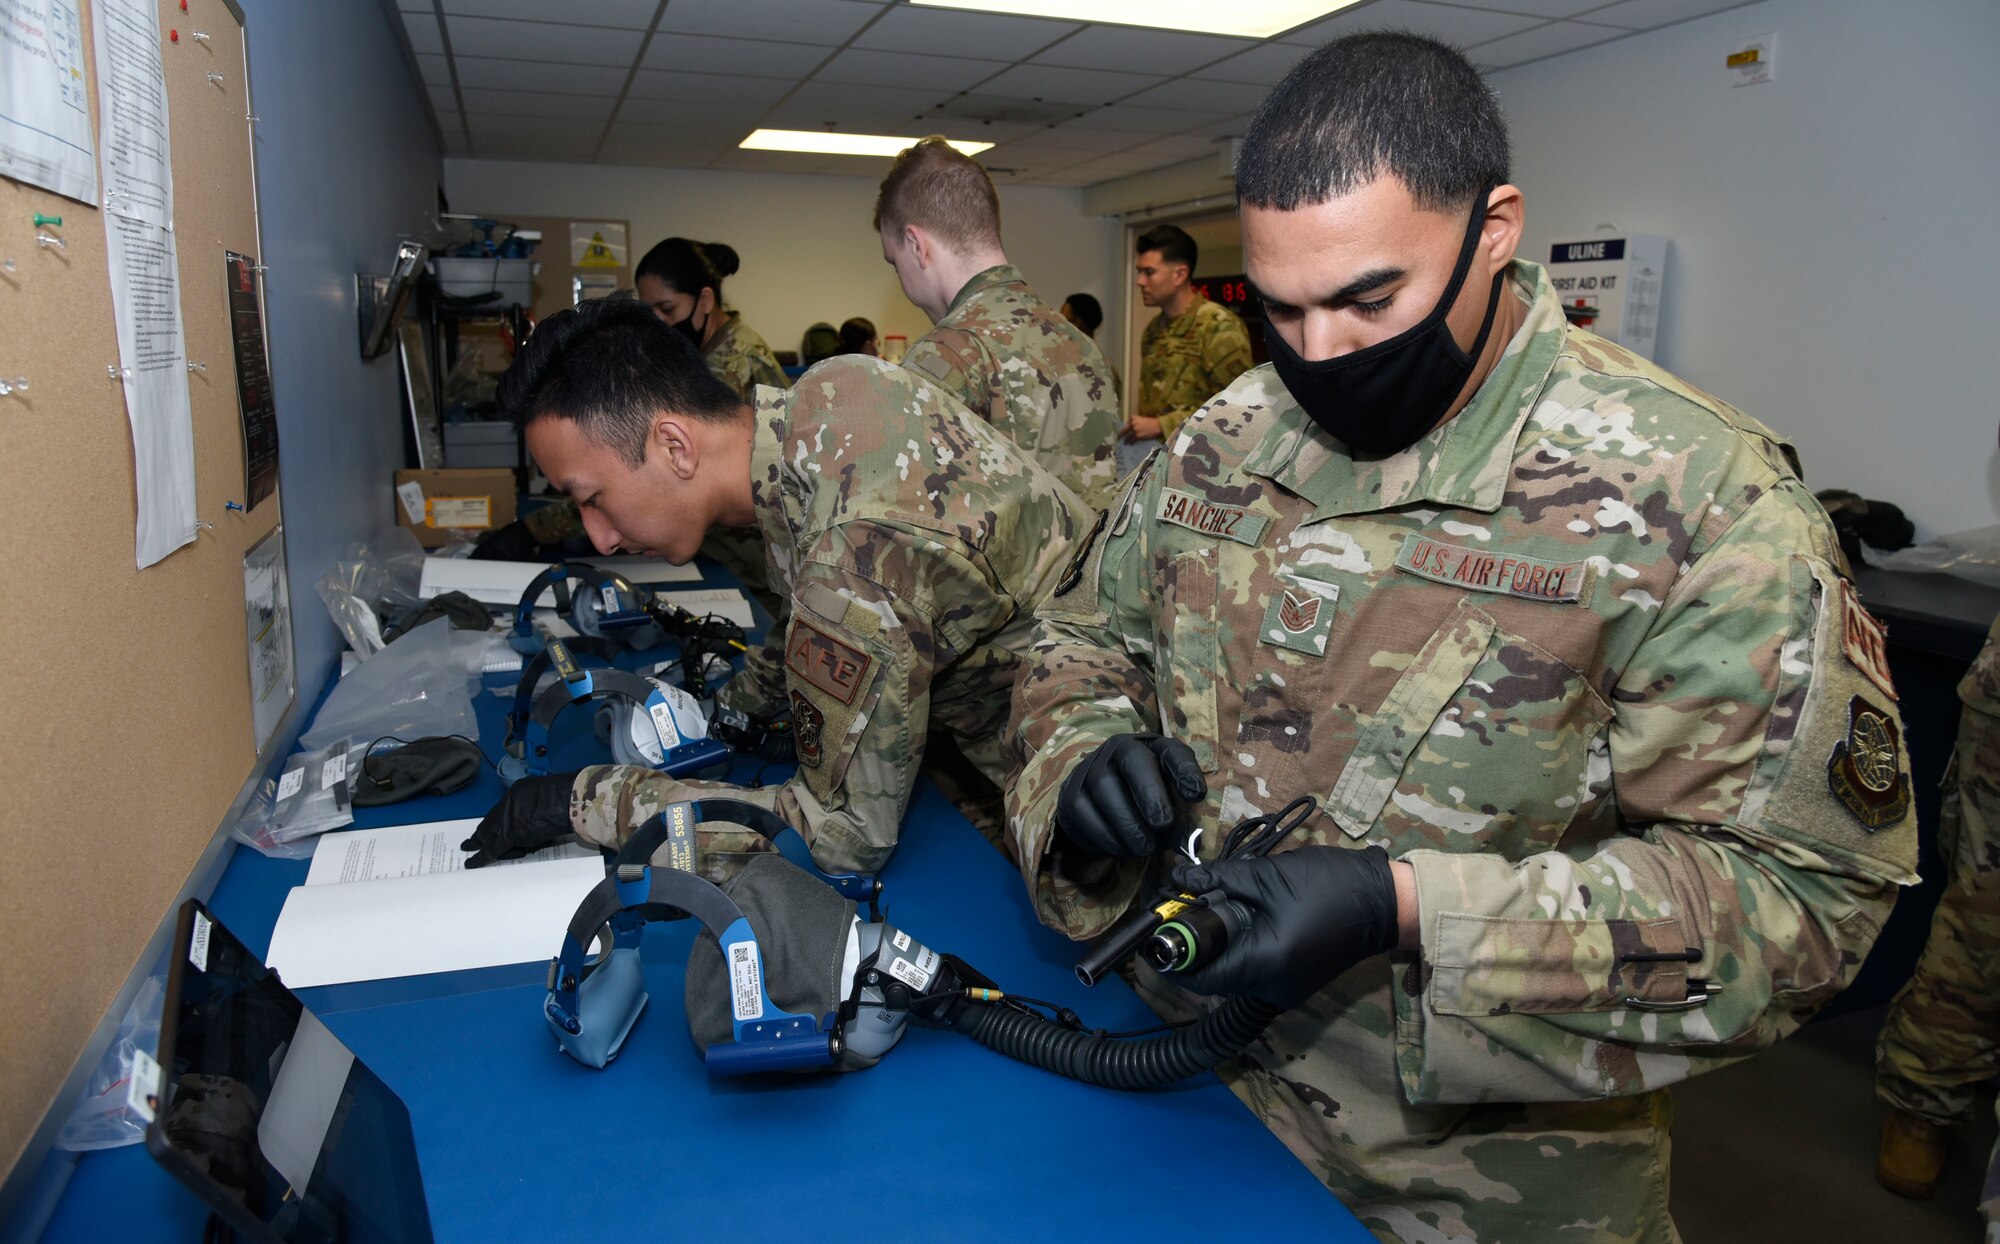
x: 173, y: 36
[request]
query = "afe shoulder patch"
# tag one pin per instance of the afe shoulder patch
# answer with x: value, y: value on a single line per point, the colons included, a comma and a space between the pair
x: 808, y: 730
x: 1529, y: 578
x: 1210, y: 518
x: 1865, y: 771
x: 838, y: 669
x: 1865, y: 641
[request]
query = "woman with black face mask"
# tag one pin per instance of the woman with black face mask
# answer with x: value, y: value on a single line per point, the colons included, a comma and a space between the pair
x: 682, y: 280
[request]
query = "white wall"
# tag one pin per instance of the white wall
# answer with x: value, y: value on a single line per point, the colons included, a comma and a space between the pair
x: 807, y: 249
x: 1832, y: 267
x: 346, y: 166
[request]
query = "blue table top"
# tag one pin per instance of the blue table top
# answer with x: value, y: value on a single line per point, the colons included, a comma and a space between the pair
x: 942, y: 1139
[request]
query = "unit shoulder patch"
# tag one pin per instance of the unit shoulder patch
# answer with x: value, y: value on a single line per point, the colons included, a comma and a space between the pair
x: 808, y: 730
x: 1865, y: 771
x: 1511, y: 574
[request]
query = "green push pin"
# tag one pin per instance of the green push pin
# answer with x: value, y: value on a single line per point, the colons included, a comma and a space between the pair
x: 41, y: 219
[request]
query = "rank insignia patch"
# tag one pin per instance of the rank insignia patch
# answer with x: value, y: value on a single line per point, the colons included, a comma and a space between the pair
x: 1300, y: 615
x: 1865, y: 771
x: 808, y: 725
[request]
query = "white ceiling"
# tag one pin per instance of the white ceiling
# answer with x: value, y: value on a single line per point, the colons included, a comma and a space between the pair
x: 680, y: 82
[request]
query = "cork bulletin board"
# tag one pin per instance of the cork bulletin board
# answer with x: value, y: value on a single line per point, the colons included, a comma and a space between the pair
x: 128, y: 728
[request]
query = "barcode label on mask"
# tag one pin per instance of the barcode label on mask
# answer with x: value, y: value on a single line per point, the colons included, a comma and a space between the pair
x: 334, y: 772
x: 663, y: 721
x: 291, y: 783
x: 916, y: 973
x: 746, y: 982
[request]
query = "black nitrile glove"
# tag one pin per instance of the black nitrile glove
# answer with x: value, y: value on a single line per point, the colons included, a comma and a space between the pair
x: 1121, y: 800
x: 511, y: 543
x: 1314, y: 913
x: 531, y: 815
x: 767, y: 738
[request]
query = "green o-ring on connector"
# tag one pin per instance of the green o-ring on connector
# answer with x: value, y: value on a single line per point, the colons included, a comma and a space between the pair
x: 1188, y: 939
x: 41, y: 219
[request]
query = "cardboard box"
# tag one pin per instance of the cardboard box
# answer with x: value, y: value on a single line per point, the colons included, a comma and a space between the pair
x: 435, y: 505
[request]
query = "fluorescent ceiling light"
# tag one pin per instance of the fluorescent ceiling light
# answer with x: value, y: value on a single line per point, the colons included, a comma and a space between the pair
x: 827, y: 143
x: 1256, y: 19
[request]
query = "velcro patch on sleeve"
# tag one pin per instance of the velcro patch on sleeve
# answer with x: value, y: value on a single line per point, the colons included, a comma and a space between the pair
x: 1231, y: 522
x: 1865, y: 641
x: 1511, y: 574
x: 837, y: 668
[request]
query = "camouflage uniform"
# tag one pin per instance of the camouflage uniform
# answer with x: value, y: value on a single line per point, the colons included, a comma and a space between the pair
x: 1188, y: 359
x: 1007, y: 355
x: 914, y: 542
x: 1941, y: 1039
x: 1585, y: 657
x: 739, y: 358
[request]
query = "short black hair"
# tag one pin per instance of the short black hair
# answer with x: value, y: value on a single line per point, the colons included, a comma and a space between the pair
x: 1089, y: 311
x: 611, y: 366
x: 1381, y: 101
x: 856, y: 335
x: 1173, y: 243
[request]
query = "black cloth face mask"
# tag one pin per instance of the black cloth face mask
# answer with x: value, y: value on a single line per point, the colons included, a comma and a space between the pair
x: 685, y: 326
x: 1385, y: 398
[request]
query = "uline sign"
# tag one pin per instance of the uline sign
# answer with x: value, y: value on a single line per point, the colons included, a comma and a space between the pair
x: 1611, y: 286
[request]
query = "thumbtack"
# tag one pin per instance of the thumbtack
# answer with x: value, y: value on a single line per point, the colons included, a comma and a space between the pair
x: 18, y: 384
x: 42, y: 218
x: 197, y: 367
x: 197, y: 36
x: 173, y: 36
x: 215, y: 78
x: 118, y: 373
x: 233, y: 507
x: 46, y: 240
x: 202, y: 524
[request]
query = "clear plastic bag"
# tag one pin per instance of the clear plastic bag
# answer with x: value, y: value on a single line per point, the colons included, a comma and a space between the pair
x: 1973, y: 555
x: 386, y: 571
x: 101, y: 1119
x: 312, y: 795
x: 419, y: 686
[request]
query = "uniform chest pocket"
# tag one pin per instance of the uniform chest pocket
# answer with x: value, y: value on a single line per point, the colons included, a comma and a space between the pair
x: 1191, y: 657
x: 1485, y: 743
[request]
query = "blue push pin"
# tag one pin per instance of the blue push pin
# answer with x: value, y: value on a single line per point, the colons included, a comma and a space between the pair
x: 231, y: 505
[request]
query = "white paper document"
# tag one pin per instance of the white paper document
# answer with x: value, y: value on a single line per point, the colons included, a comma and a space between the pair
x: 145, y: 272
x: 501, y: 583
x: 45, y: 98
x: 380, y: 903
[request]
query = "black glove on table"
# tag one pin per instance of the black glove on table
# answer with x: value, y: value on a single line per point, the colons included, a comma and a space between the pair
x: 1314, y: 913
x: 1121, y: 799
x: 511, y: 543
x: 531, y: 815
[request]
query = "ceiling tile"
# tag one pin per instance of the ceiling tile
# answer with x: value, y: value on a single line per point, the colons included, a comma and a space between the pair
x: 456, y: 145
x: 1177, y: 148
x: 1084, y: 137
x: 574, y: 129
x: 1149, y: 120
x: 436, y: 69
x: 521, y: 75
x: 866, y: 66
x: 449, y: 122
x: 798, y: 21
x: 1136, y: 50
x: 1541, y: 8
x: 713, y: 88
x: 1550, y: 40
x: 1460, y: 27
x: 658, y: 155
x: 1265, y: 65
x: 627, y: 14
x: 833, y: 98
x: 1228, y: 127
x: 542, y: 42
x: 756, y: 58
x: 738, y: 119
x: 1052, y: 84
x: 442, y: 99
x: 1200, y: 95
x: 518, y: 148
x: 537, y: 104
x: 794, y: 162
x: 422, y: 28
x: 1648, y: 14
x: 1067, y: 177
x: 954, y: 32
